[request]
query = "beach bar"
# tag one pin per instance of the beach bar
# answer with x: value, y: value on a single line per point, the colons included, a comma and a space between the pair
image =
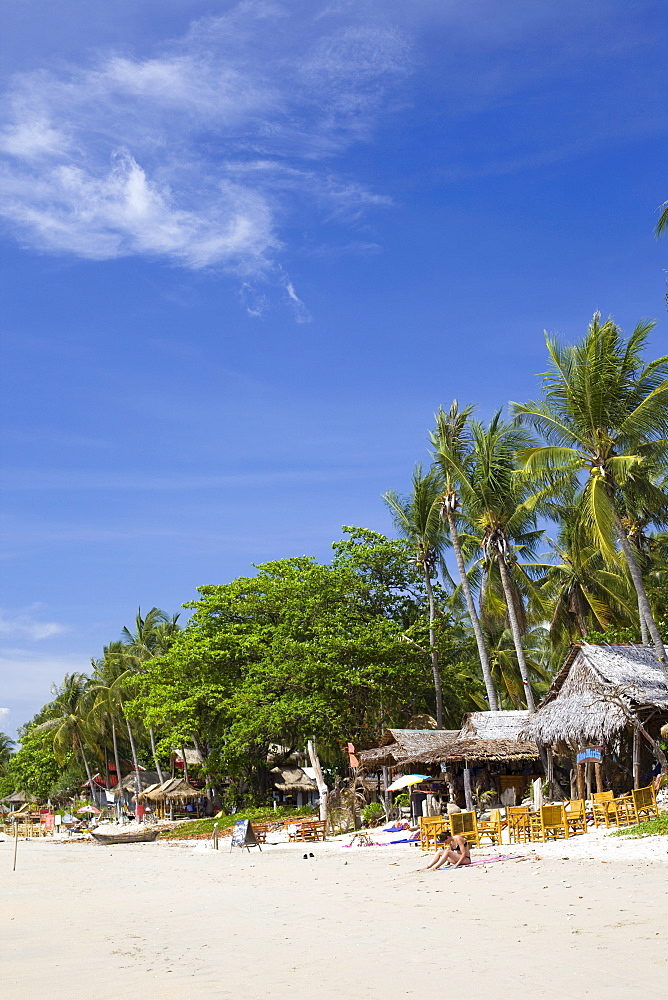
x: 586, y: 719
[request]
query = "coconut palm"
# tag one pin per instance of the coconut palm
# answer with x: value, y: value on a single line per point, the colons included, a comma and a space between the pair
x: 67, y: 726
x: 5, y: 752
x: 662, y: 224
x: 451, y: 440
x: 501, y: 508
x: 503, y: 660
x: 583, y: 592
x: 417, y: 518
x: 604, y: 414
x: 152, y: 637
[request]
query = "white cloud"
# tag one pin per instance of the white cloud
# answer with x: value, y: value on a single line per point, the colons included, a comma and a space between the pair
x: 190, y: 153
x: 24, y: 624
x: 3, y: 712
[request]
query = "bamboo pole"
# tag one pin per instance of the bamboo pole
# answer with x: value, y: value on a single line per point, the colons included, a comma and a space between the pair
x: 16, y: 843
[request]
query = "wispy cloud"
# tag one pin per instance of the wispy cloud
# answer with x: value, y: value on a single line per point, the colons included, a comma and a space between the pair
x: 190, y: 154
x: 24, y: 624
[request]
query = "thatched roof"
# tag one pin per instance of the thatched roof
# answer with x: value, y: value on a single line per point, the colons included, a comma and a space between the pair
x: 146, y: 778
x: 485, y: 736
x: 291, y: 779
x: 575, y: 709
x: 173, y: 788
x: 193, y: 757
x: 403, y: 746
x: 494, y: 725
x: 19, y: 797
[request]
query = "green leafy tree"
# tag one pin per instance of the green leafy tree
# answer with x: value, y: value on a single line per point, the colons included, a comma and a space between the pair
x: 66, y: 728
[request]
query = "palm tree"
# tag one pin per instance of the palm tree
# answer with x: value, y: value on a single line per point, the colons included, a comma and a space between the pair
x: 152, y: 637
x: 504, y: 664
x: 417, y: 518
x: 584, y: 594
x: 496, y: 503
x: 451, y: 442
x: 662, y: 224
x: 5, y: 752
x: 604, y: 414
x: 67, y: 727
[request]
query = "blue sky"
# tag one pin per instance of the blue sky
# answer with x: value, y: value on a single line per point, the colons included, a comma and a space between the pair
x: 249, y: 248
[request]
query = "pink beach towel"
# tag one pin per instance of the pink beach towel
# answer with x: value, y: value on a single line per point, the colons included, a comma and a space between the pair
x: 484, y: 861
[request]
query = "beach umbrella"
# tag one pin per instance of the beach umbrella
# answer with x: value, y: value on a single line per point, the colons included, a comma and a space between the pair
x: 88, y: 809
x: 405, y: 780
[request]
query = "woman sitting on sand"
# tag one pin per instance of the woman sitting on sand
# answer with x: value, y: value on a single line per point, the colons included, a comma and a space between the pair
x: 455, y: 853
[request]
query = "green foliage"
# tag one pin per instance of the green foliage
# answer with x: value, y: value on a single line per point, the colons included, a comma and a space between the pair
x: 652, y: 828
x: 33, y: 768
x: 373, y: 814
x: 201, y: 828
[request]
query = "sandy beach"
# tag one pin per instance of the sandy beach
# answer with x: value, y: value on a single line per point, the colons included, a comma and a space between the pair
x: 179, y: 919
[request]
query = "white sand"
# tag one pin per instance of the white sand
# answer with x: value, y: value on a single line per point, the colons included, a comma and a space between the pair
x: 180, y: 920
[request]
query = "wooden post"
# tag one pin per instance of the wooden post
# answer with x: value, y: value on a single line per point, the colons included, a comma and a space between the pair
x: 215, y: 836
x: 468, y: 794
x: 587, y: 770
x: 636, y: 759
x: 16, y: 842
x: 579, y: 770
x: 598, y: 771
x: 387, y: 796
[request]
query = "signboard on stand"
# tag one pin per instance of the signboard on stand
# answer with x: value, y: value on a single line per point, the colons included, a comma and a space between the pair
x: 243, y: 835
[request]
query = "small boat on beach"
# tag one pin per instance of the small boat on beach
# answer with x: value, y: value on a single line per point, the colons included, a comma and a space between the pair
x: 119, y: 835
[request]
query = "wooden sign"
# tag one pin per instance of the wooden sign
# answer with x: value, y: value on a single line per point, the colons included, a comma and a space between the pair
x: 584, y: 755
x: 243, y: 835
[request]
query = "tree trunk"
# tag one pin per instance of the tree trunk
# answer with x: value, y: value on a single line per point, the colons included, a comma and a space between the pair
x: 135, y: 762
x: 155, y: 756
x: 185, y: 762
x: 515, y: 629
x: 119, y: 777
x: 432, y: 646
x: 319, y: 778
x: 644, y: 631
x: 643, y: 603
x: 88, y: 770
x: 473, y: 614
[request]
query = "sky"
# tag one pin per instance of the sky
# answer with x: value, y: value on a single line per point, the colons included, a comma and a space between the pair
x: 248, y: 248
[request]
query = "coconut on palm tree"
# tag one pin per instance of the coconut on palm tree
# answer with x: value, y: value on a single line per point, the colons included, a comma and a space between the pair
x: 604, y: 415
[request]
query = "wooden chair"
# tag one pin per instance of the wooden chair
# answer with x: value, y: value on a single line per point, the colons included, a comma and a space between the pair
x: 311, y: 830
x: 465, y: 824
x: 576, y: 816
x: 430, y: 827
x: 519, y: 824
x: 493, y: 827
x: 603, y: 809
x: 644, y: 804
x: 553, y: 823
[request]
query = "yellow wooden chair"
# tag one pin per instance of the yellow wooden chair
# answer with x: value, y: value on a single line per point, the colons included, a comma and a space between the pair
x: 430, y: 827
x: 603, y: 808
x: 465, y: 824
x: 553, y: 823
x: 493, y: 827
x: 644, y: 803
x: 519, y: 824
x: 576, y: 816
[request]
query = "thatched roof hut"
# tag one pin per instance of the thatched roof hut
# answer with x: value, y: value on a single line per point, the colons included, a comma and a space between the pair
x: 145, y: 778
x: 175, y: 789
x: 578, y: 708
x: 193, y: 757
x: 484, y: 736
x: 291, y: 779
x: 403, y: 746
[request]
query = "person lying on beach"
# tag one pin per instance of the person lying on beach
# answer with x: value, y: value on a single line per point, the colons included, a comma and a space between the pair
x: 455, y: 853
